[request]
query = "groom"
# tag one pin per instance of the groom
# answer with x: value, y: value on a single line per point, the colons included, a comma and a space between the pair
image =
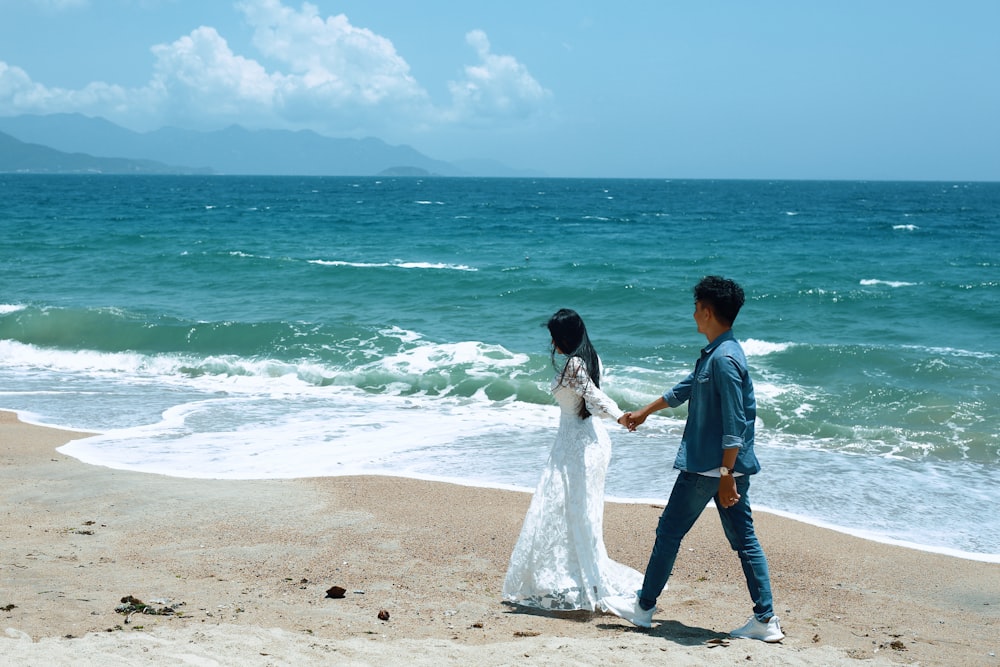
x: 715, y: 459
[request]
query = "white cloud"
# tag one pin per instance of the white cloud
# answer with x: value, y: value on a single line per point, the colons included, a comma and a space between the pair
x: 19, y: 94
x: 16, y: 88
x: 331, y: 58
x: 322, y: 73
x: 497, y: 87
x: 199, y: 76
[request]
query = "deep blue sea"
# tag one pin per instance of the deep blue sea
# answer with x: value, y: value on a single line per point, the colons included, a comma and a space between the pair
x: 256, y: 327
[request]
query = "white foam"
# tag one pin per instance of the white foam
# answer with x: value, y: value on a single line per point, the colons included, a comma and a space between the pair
x: 428, y: 358
x: 883, y: 539
x: 23, y: 355
x: 433, y: 265
x: 804, y: 409
x: 399, y: 264
x: 759, y: 348
x: 952, y: 351
x: 335, y: 434
x: 868, y: 282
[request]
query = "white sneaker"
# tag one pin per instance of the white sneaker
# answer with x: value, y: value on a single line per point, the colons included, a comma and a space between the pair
x: 629, y: 609
x: 765, y: 632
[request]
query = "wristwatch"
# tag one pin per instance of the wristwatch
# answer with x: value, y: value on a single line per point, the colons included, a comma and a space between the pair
x: 723, y: 471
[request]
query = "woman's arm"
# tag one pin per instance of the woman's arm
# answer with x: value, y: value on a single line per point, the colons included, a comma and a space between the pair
x: 578, y: 380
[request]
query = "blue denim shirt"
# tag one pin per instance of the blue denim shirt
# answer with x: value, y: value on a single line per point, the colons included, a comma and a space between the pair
x: 721, y: 409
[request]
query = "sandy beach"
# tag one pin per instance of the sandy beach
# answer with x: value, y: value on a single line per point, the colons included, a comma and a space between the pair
x: 239, y: 572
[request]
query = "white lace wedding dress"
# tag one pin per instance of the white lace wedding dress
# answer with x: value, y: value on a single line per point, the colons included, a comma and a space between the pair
x: 560, y: 561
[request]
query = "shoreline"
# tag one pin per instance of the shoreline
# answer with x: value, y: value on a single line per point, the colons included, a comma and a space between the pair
x: 758, y: 509
x: 251, y: 562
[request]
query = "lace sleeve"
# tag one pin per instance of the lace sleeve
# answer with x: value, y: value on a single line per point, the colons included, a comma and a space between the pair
x: 576, y: 379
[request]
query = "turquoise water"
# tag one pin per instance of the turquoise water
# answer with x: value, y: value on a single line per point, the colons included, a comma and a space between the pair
x: 284, y: 327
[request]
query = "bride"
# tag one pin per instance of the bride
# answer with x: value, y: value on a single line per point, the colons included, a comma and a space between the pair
x: 560, y: 561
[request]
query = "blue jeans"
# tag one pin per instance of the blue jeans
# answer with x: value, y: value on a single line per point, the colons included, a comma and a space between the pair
x: 688, y: 499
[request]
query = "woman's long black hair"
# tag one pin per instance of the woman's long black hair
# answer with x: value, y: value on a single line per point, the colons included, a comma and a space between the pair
x: 569, y: 335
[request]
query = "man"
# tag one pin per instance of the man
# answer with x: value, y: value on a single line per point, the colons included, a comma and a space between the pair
x: 715, y: 460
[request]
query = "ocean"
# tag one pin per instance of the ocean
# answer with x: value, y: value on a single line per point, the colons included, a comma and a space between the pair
x: 266, y: 327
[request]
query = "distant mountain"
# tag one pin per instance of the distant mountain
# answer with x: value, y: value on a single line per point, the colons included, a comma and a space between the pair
x: 395, y: 172
x: 234, y: 150
x: 18, y: 156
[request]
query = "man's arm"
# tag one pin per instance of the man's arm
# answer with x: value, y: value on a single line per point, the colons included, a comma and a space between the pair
x: 729, y: 379
x: 728, y: 495
x: 680, y: 394
x: 633, y: 419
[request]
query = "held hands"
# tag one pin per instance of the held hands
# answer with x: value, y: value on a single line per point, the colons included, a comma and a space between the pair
x: 632, y: 420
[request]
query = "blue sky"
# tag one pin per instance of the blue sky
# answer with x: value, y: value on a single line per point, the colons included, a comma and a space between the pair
x: 854, y: 89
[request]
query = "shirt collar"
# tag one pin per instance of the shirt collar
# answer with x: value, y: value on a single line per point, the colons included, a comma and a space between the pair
x: 726, y: 335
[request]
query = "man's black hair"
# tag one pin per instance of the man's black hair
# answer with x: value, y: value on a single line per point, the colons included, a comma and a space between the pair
x: 722, y: 295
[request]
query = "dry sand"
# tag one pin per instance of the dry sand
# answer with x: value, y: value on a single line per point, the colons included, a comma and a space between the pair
x: 247, y: 564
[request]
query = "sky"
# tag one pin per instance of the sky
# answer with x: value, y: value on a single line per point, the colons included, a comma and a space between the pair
x: 763, y: 89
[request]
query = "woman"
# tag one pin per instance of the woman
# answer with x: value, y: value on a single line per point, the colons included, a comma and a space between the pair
x: 560, y: 561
